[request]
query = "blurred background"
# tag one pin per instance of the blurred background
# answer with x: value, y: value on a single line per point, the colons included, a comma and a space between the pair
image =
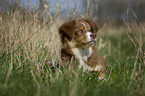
x: 102, y: 10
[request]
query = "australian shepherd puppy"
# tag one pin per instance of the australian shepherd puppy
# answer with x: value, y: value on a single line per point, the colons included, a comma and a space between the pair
x: 78, y: 38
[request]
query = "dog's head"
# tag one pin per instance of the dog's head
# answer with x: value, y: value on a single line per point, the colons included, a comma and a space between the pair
x: 80, y: 32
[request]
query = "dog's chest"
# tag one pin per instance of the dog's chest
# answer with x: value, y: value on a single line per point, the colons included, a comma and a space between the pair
x: 82, y: 54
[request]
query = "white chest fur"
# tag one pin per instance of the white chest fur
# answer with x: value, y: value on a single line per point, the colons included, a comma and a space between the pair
x: 82, y: 54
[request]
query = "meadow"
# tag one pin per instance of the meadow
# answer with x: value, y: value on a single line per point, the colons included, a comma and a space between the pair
x: 29, y: 59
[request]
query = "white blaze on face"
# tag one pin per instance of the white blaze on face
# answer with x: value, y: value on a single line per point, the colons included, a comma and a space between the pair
x: 89, y: 36
x: 84, y: 26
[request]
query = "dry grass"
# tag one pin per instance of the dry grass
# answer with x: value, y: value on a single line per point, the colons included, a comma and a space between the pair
x: 30, y: 48
x: 17, y: 40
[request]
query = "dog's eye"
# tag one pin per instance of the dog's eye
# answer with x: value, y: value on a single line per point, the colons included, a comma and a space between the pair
x: 79, y: 32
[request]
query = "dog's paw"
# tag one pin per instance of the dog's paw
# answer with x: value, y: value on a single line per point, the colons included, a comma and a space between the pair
x: 101, y: 78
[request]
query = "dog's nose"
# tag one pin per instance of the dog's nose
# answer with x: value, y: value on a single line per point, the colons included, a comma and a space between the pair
x: 93, y: 35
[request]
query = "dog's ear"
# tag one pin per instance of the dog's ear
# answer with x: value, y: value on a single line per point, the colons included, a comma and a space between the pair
x: 66, y: 31
x: 93, y: 25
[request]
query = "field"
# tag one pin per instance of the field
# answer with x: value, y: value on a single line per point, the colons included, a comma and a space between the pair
x: 29, y: 59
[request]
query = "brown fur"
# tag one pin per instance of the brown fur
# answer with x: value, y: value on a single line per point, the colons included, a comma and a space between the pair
x: 72, y: 38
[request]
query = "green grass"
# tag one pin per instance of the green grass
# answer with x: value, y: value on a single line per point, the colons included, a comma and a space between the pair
x: 32, y: 68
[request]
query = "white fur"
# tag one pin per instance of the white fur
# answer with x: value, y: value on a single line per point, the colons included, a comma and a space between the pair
x: 102, y: 78
x: 88, y: 33
x: 89, y: 36
x: 83, y: 54
x: 84, y: 26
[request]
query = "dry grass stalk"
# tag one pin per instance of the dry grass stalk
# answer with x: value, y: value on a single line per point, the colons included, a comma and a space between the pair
x: 138, y: 70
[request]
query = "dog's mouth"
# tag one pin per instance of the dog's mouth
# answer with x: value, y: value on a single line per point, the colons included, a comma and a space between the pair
x: 91, y: 42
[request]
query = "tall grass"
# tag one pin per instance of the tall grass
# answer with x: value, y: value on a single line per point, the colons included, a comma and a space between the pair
x: 29, y: 58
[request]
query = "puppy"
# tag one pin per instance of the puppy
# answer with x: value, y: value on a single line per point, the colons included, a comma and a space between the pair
x: 78, y: 38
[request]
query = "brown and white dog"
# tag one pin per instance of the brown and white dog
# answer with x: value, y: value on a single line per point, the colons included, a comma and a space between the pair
x: 78, y: 38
